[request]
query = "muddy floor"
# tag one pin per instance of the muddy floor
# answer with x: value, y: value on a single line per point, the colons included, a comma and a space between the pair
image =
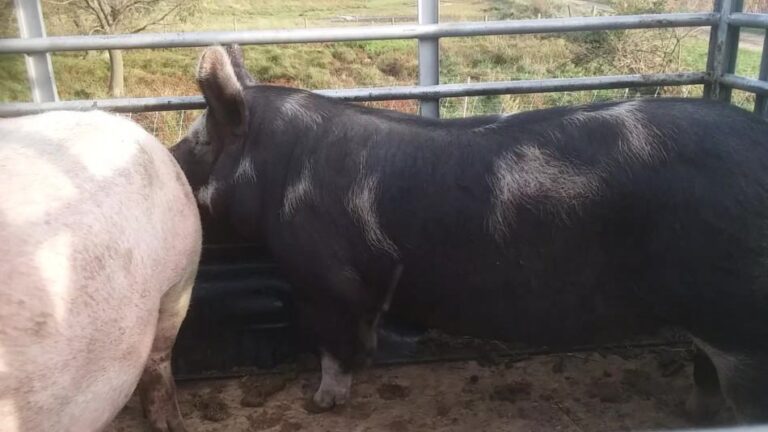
x: 590, y: 391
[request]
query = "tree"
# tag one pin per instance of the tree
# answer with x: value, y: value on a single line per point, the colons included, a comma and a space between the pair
x: 121, y: 16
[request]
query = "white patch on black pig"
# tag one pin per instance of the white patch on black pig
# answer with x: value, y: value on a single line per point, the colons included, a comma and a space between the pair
x: 640, y: 136
x: 300, y: 191
x: 361, y: 203
x: 532, y: 174
x: 335, y: 384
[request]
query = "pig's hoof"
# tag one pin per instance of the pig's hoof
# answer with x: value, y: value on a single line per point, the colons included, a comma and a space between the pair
x: 325, y: 400
x: 167, y: 424
x: 312, y: 407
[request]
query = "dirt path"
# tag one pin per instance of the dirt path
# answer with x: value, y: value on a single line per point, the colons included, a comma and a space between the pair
x: 575, y: 392
x: 751, y: 41
x: 747, y: 40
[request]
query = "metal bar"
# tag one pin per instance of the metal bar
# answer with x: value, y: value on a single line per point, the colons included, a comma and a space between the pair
x: 723, y: 50
x: 429, y: 57
x: 761, y: 101
x: 712, y: 49
x: 749, y: 20
x: 383, y: 93
x: 39, y: 69
x: 746, y: 84
x: 459, y: 29
x: 731, y: 49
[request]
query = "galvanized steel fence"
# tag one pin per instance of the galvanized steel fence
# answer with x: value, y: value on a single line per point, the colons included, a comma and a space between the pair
x: 719, y: 78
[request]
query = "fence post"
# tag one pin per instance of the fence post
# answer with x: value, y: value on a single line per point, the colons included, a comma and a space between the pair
x: 429, y: 57
x: 29, y: 15
x: 723, y: 49
x: 761, y: 101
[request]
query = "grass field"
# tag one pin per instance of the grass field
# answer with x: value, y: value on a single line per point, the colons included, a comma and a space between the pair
x: 381, y: 63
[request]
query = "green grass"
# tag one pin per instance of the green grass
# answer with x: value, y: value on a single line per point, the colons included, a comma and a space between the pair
x: 13, y: 79
x: 694, y: 57
x: 358, y: 64
x: 748, y: 63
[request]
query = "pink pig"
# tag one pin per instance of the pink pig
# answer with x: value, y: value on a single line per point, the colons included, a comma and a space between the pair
x: 99, y: 246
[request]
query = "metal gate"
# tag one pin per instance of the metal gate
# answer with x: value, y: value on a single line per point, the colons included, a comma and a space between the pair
x: 718, y: 79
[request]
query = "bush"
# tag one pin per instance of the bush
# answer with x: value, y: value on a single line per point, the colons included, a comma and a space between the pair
x: 397, y: 65
x: 630, y: 51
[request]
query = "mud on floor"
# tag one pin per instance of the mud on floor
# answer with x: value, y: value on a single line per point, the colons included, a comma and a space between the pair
x: 588, y: 391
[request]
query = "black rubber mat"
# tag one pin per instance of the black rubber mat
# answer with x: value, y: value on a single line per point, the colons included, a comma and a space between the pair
x: 241, y: 320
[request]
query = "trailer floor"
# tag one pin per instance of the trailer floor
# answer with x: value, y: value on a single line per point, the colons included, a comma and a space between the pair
x: 589, y: 391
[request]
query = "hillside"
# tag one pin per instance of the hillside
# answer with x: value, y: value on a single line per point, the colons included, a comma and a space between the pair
x: 82, y: 75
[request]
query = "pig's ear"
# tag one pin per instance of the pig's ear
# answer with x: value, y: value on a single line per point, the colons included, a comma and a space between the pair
x: 222, y: 90
x: 238, y: 65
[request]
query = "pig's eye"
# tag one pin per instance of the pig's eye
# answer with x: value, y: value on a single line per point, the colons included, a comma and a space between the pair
x: 201, y: 146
